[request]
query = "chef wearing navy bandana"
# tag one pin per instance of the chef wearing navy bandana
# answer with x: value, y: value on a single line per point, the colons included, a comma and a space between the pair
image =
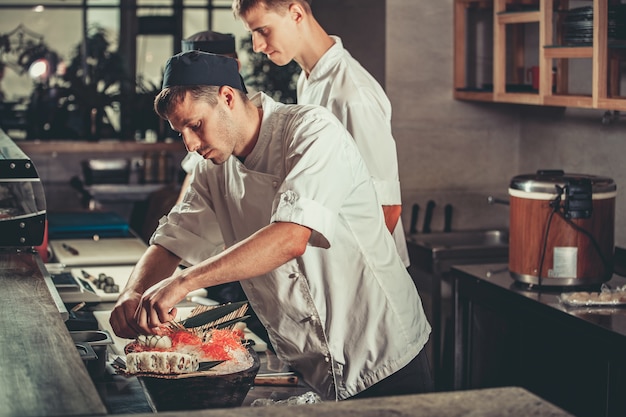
x: 304, y: 235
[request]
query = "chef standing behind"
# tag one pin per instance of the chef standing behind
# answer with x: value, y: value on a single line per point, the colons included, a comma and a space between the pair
x: 304, y: 232
x: 286, y: 30
x: 220, y: 44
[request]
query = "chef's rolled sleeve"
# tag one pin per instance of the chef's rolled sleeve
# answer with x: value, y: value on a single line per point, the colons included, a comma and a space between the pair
x: 388, y: 192
x: 303, y: 211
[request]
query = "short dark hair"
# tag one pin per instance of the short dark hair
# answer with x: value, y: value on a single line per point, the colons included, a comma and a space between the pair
x: 242, y: 7
x: 170, y: 97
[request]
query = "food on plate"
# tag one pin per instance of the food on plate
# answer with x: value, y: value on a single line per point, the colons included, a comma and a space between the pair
x: 161, y: 362
x: 181, y: 350
x: 603, y: 297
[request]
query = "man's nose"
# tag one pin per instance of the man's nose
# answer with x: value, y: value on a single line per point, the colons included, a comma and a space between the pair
x: 258, y: 43
x: 191, y: 143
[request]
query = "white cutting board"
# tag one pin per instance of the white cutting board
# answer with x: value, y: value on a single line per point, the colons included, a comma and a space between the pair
x: 119, y: 273
x: 106, y: 251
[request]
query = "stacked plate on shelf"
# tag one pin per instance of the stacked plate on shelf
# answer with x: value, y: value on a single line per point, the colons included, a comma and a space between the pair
x: 578, y: 24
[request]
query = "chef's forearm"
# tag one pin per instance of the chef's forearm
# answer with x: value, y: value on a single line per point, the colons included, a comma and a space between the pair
x: 156, y: 264
x: 392, y: 215
x: 260, y: 253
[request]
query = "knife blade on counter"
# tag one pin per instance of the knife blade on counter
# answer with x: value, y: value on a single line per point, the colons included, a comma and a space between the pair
x: 278, y: 378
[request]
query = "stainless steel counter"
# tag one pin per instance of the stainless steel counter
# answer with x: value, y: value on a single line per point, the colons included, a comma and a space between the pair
x: 496, y: 402
x: 510, y: 334
x: 608, y: 322
x: 41, y: 372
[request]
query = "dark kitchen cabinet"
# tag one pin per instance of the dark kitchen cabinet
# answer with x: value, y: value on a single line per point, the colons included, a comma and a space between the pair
x: 541, y: 52
x: 512, y: 335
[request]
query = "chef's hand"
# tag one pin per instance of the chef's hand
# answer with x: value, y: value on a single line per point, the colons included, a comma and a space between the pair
x: 122, y: 318
x: 157, y: 305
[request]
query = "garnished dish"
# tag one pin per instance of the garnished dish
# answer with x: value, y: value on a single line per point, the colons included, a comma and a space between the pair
x: 210, y: 341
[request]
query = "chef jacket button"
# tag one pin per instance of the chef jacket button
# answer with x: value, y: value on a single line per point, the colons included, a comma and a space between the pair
x: 274, y: 184
x: 327, y: 359
x: 294, y: 275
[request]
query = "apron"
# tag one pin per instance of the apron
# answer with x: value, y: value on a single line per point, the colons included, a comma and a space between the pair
x: 295, y: 330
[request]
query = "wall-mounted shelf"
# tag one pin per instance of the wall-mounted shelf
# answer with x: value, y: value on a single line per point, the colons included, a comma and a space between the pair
x: 496, y: 42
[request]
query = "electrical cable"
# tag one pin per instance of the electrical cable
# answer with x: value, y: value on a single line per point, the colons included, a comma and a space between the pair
x: 544, y: 247
x: 557, y: 207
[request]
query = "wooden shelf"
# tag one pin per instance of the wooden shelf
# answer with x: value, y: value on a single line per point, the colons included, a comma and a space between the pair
x: 567, y: 52
x: 509, y: 63
x: 581, y: 101
x: 30, y: 147
x: 474, y: 95
x: 505, y: 18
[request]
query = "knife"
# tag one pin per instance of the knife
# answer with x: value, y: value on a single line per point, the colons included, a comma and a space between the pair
x: 285, y: 378
x: 447, y: 213
x: 430, y: 206
x: 70, y: 249
x: 414, y: 213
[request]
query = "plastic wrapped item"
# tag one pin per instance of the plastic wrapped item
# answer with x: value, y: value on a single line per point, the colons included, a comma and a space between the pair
x: 605, y: 297
x: 306, y: 398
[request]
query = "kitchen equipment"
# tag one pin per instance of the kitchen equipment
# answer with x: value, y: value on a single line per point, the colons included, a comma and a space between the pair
x: 200, y: 390
x: 428, y: 216
x: 106, y: 251
x: 98, y: 340
x: 414, y: 214
x: 532, y: 74
x: 432, y: 257
x: 22, y: 198
x: 447, y: 218
x: 561, y: 228
x: 106, y: 171
x: 86, y: 225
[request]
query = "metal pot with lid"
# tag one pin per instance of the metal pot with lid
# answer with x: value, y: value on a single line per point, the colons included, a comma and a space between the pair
x: 561, y: 228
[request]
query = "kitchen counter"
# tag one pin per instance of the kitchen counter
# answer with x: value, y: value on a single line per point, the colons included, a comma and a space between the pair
x: 497, y: 402
x: 591, y: 319
x: 510, y: 334
x: 42, y: 374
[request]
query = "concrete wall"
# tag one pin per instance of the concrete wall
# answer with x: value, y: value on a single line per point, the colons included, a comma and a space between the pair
x: 361, y: 25
x: 449, y: 151
x: 455, y: 148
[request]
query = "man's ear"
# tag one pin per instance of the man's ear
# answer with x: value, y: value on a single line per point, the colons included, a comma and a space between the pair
x: 227, y: 93
x: 296, y: 12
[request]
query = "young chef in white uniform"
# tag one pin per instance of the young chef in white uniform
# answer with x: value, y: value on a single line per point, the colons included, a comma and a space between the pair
x: 304, y: 232
x: 286, y: 30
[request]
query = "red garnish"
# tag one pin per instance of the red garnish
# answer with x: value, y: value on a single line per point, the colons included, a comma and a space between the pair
x: 223, y: 341
x: 185, y: 339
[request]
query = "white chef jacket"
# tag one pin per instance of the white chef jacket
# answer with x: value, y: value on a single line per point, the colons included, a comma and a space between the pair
x: 346, y: 313
x: 339, y: 83
x: 190, y: 161
x: 214, y: 243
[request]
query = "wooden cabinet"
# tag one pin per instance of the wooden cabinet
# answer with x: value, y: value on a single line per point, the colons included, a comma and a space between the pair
x: 508, y: 334
x: 523, y: 51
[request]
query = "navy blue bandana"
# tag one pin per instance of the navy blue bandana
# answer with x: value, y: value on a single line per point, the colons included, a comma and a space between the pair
x: 202, y: 68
